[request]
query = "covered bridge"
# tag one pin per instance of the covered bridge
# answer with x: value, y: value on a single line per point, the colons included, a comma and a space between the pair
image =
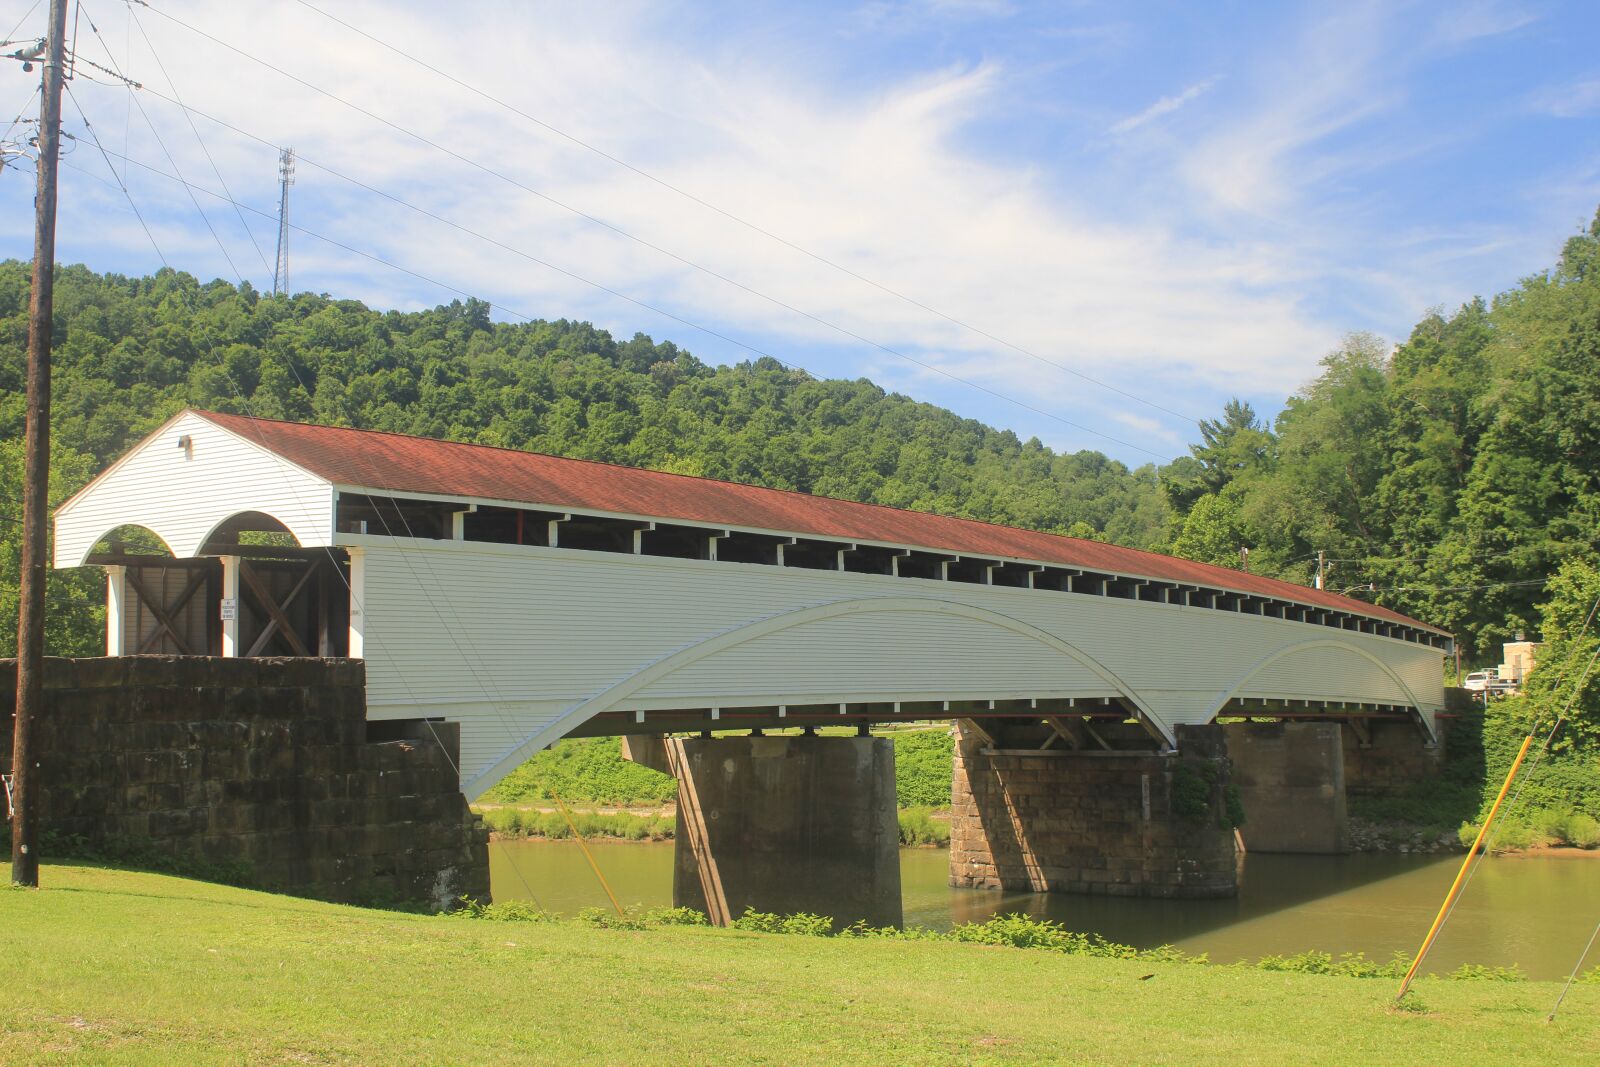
x: 530, y: 597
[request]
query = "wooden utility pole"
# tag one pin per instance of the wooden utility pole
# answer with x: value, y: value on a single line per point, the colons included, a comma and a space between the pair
x: 36, y: 467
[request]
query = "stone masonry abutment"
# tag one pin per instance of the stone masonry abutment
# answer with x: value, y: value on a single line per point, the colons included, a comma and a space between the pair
x: 1092, y: 819
x: 259, y: 767
x: 783, y: 825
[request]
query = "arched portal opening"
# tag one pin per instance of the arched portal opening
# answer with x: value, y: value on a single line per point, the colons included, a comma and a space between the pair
x: 251, y: 590
x: 279, y: 598
x: 156, y: 604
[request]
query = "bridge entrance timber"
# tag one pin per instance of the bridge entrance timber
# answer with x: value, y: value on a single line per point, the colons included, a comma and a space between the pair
x: 527, y: 598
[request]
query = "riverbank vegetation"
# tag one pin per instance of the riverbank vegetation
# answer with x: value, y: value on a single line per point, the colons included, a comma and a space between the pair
x: 623, y: 825
x: 1556, y: 798
x: 138, y: 968
x: 1005, y: 930
x: 918, y: 826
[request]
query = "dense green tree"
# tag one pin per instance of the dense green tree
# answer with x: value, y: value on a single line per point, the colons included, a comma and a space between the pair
x: 1235, y: 446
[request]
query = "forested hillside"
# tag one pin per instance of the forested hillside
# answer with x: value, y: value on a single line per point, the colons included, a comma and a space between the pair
x: 1453, y: 474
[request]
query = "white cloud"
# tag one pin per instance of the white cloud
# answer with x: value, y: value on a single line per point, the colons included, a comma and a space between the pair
x: 1328, y: 79
x: 873, y: 181
x: 1164, y: 106
x: 902, y: 15
x: 1569, y: 101
x: 1462, y: 23
x: 1156, y: 296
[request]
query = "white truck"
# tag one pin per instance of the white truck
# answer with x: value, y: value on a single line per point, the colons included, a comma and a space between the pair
x: 1488, y: 682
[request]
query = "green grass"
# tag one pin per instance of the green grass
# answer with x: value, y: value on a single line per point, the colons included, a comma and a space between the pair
x: 918, y: 826
x: 587, y: 770
x: 623, y: 825
x: 591, y: 770
x: 117, y: 967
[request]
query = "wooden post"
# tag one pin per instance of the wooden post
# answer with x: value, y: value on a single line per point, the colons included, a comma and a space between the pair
x: 358, y: 600
x: 36, y: 473
x: 116, y: 600
x: 231, y: 607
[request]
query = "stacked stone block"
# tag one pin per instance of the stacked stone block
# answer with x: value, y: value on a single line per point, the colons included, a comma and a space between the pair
x: 1395, y: 758
x: 1106, y: 823
x: 260, y: 764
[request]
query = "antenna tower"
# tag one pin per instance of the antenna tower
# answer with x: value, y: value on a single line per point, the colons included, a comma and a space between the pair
x: 280, y: 268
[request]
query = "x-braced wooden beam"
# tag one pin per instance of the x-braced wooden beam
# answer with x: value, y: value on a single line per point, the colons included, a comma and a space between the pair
x: 164, y: 615
x: 277, y: 621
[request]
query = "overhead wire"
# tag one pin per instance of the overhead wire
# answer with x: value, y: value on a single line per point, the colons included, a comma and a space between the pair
x: 643, y: 242
x: 497, y: 704
x: 754, y: 227
x: 356, y: 602
x: 173, y: 163
x: 173, y: 85
x: 1489, y: 834
x: 10, y: 37
x: 646, y: 305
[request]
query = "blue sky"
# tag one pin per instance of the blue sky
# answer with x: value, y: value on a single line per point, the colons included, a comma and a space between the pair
x: 1184, y: 202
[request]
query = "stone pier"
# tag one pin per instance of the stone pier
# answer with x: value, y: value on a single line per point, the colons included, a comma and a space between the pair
x: 1094, y: 819
x: 1291, y: 781
x: 783, y: 825
x: 1383, y: 759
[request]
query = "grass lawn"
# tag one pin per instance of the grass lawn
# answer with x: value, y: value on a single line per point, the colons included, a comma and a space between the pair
x: 112, y: 966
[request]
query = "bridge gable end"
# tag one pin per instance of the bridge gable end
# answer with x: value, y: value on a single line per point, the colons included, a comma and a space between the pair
x: 184, y: 480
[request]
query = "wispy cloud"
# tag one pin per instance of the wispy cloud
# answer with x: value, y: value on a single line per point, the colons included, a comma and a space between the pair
x: 1332, y: 75
x: 905, y: 15
x: 1569, y: 101
x: 1182, y: 269
x: 1165, y: 106
x: 1462, y: 23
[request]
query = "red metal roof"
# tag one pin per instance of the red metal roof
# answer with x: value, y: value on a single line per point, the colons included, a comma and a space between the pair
x: 370, y: 459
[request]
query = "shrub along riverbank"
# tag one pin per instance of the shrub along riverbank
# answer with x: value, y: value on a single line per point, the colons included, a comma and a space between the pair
x: 591, y: 771
x: 1008, y: 930
x: 124, y: 967
x: 918, y: 826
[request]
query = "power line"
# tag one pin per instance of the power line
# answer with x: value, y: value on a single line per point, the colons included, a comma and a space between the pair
x: 10, y: 36
x: 818, y: 257
x: 244, y: 400
x: 514, y: 182
x: 1472, y: 870
x: 173, y: 85
x: 171, y: 162
x: 655, y: 309
x: 1444, y: 588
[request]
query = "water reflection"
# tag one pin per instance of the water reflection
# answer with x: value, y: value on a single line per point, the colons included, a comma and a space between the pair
x: 1524, y: 911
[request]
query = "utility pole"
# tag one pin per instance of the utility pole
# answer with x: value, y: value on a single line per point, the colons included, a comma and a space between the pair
x: 280, y: 268
x: 1321, y: 566
x: 36, y: 468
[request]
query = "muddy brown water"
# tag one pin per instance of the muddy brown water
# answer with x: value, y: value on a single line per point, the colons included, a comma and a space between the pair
x: 1534, y: 911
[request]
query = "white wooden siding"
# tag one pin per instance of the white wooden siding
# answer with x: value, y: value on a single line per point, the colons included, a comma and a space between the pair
x: 513, y: 640
x: 181, y: 495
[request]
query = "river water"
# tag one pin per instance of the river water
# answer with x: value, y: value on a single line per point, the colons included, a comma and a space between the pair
x: 1534, y: 911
